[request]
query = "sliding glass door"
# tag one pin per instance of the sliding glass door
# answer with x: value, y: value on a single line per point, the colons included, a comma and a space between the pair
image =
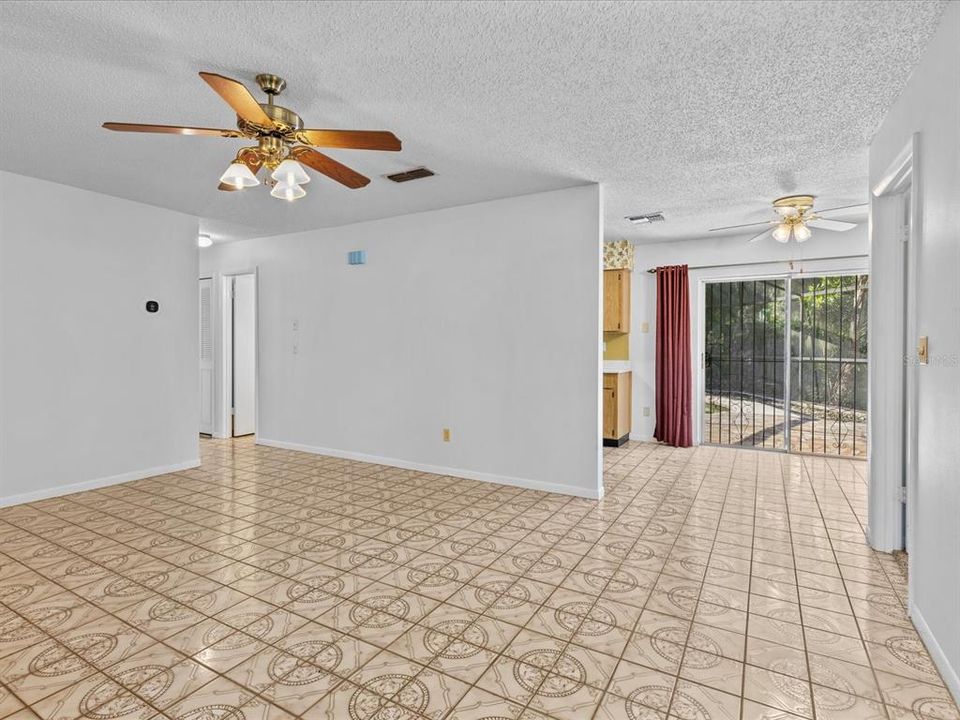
x: 807, y: 394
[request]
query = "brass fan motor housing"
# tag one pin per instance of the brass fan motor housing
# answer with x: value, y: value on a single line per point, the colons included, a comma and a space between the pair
x: 800, y: 202
x: 287, y: 123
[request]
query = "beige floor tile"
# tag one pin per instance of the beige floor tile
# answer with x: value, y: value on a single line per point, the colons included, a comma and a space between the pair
x: 327, y: 588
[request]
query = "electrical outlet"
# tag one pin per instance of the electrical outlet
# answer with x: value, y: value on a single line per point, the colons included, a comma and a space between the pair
x: 296, y: 325
x: 446, y: 434
x: 646, y: 411
x: 644, y: 327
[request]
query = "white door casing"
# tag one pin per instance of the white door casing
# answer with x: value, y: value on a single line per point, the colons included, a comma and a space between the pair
x: 206, y: 356
x: 244, y: 355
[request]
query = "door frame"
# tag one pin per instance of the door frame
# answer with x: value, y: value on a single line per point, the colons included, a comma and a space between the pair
x: 225, y: 364
x: 893, y: 389
x: 212, y: 430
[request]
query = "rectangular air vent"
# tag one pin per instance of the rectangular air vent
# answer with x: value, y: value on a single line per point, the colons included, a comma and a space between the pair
x: 647, y: 218
x: 409, y: 175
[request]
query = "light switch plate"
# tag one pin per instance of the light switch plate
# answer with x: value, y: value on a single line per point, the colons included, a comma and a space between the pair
x: 644, y: 327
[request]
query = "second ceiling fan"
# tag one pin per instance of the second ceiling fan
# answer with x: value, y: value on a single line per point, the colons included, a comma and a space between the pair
x: 283, y: 144
x: 796, y: 217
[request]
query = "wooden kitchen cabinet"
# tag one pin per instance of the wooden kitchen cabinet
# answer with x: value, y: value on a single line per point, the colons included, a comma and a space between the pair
x: 616, y: 408
x: 616, y: 301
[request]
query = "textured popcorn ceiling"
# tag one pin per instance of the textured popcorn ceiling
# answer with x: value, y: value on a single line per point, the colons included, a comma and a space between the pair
x: 705, y: 111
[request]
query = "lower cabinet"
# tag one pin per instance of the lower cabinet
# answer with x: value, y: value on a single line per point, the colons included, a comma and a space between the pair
x: 616, y: 408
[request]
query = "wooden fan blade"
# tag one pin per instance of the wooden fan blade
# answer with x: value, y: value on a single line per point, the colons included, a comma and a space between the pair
x: 249, y: 158
x: 353, y: 139
x: 239, y: 98
x: 760, y: 236
x: 171, y: 129
x: 835, y: 225
x: 329, y: 167
x: 734, y: 227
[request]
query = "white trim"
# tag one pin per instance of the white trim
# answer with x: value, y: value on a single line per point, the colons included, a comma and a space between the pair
x: 950, y: 677
x: 899, y: 171
x: 222, y: 365
x: 96, y: 483
x: 637, y: 437
x: 886, y: 392
x: 435, y: 469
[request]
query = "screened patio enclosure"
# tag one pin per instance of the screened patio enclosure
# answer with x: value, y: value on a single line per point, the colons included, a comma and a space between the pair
x: 785, y: 364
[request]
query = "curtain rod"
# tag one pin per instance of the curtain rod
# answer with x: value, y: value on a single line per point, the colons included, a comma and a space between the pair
x: 766, y: 262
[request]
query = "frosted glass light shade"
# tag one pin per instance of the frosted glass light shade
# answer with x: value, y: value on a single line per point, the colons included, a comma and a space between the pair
x: 204, y: 241
x: 290, y: 172
x: 239, y: 176
x: 781, y: 233
x: 288, y: 192
x: 802, y: 233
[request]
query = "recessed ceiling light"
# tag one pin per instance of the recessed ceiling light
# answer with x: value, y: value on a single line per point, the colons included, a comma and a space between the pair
x: 204, y: 241
x: 646, y: 218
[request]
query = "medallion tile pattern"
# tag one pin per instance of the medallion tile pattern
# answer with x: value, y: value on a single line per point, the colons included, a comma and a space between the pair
x: 708, y: 584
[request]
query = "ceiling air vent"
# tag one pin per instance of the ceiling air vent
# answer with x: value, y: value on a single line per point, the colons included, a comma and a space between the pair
x: 409, y: 175
x: 648, y: 218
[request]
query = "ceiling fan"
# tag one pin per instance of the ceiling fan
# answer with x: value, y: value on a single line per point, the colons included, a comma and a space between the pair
x: 283, y: 144
x: 796, y: 217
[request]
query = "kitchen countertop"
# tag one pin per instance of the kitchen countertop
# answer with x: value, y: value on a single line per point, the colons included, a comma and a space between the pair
x: 617, y: 366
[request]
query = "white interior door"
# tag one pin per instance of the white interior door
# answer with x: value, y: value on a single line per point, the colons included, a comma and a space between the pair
x: 206, y: 356
x: 244, y: 355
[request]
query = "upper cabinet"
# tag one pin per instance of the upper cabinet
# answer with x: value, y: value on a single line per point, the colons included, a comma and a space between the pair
x: 616, y: 301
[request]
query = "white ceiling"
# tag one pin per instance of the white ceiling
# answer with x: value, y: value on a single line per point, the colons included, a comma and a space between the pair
x: 705, y: 111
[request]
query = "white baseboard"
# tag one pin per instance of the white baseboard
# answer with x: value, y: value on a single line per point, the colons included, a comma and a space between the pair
x: 950, y: 675
x: 636, y: 437
x: 435, y: 469
x: 96, y: 483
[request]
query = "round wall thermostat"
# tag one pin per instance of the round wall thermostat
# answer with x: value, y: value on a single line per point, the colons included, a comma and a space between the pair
x: 152, y: 306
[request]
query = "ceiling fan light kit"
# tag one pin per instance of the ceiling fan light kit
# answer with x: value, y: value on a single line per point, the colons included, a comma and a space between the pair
x: 283, y: 145
x: 288, y: 191
x: 781, y: 233
x: 239, y: 176
x: 290, y: 172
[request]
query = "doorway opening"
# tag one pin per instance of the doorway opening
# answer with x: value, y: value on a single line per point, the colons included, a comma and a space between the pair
x: 785, y: 364
x: 240, y: 353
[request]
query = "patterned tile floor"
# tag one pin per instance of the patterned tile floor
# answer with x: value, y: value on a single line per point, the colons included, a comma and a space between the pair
x: 708, y: 584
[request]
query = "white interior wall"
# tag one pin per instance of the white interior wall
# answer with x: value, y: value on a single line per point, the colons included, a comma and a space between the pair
x: 93, y: 389
x: 929, y: 106
x: 767, y: 257
x: 484, y: 319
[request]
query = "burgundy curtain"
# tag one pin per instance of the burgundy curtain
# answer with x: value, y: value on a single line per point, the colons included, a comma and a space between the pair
x: 674, y: 425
